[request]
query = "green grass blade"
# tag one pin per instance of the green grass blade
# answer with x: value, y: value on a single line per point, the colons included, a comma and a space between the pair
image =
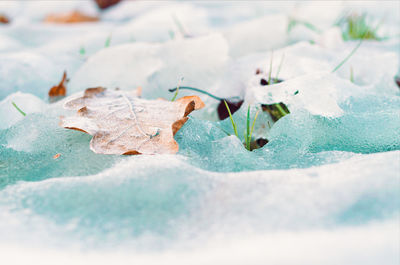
x: 248, y: 129
x: 311, y: 26
x: 279, y: 68
x: 19, y: 110
x: 295, y: 22
x: 348, y: 56
x: 108, y: 42
x: 270, y: 68
x: 254, y: 123
x: 82, y: 51
x: 280, y: 109
x: 177, y: 90
x: 176, y: 94
x: 351, y: 75
x: 232, y: 121
x: 179, y: 25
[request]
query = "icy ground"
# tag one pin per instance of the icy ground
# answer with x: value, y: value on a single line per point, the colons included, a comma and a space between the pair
x: 324, y: 190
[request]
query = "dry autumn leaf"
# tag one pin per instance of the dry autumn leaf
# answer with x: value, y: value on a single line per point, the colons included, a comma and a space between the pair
x: 4, y: 19
x: 71, y: 17
x: 122, y: 123
x: 59, y: 90
x: 103, y: 4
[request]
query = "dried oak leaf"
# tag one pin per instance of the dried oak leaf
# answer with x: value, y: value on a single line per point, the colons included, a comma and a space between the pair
x: 59, y: 90
x: 4, y: 19
x: 103, y: 4
x: 70, y: 17
x: 122, y: 123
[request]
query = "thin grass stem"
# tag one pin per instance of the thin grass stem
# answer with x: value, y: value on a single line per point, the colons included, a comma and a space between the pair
x: 248, y: 129
x: 232, y: 120
x: 177, y: 90
x: 270, y: 67
x: 19, y: 110
x: 197, y: 90
x: 351, y: 74
x: 108, y: 41
x: 280, y: 109
x: 279, y: 68
x: 348, y: 56
x: 254, y: 123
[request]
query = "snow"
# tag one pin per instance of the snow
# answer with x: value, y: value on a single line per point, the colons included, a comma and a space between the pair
x: 324, y: 190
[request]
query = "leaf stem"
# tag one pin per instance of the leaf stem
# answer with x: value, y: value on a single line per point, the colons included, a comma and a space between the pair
x: 197, y: 90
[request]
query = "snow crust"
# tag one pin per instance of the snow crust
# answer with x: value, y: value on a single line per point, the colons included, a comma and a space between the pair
x: 324, y: 190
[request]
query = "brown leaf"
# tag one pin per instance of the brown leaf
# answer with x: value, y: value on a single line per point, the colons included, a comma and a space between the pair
x: 122, y: 123
x: 103, y: 4
x: 71, y: 17
x: 4, y: 19
x: 59, y: 90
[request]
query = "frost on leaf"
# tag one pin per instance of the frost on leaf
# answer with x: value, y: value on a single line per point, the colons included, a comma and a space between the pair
x: 122, y: 123
x: 71, y: 17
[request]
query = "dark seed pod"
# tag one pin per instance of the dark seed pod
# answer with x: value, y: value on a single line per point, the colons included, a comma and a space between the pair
x: 263, y: 82
x: 397, y: 79
x: 261, y: 142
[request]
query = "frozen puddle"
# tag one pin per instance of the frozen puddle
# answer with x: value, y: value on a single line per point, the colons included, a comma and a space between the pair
x: 323, y: 190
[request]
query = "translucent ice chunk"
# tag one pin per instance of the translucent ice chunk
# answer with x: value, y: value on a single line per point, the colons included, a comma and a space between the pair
x: 317, y: 93
x: 207, y: 145
x: 374, y: 64
x: 369, y: 124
